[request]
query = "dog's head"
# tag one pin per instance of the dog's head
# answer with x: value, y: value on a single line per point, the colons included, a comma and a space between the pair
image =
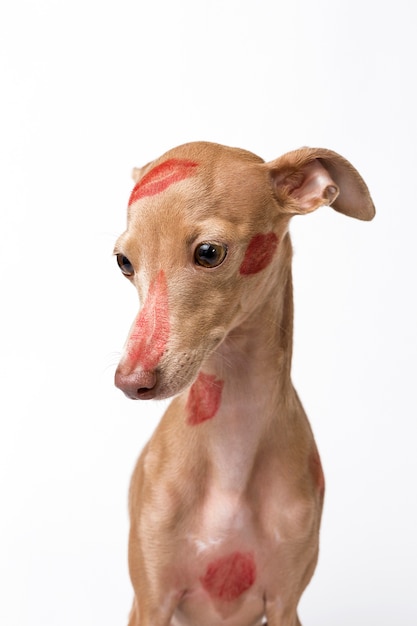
x: 206, y: 242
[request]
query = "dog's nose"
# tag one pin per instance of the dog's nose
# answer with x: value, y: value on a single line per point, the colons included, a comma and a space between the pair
x: 136, y: 385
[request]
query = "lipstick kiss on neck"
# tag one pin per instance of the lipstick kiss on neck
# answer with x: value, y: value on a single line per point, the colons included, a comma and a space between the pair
x: 204, y: 399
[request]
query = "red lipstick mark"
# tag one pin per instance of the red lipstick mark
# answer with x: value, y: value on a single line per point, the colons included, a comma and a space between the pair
x: 317, y: 472
x: 149, y: 337
x: 161, y: 177
x: 230, y: 576
x: 259, y: 253
x: 204, y: 399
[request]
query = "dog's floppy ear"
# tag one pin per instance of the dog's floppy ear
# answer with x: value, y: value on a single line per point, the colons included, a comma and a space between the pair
x: 305, y: 179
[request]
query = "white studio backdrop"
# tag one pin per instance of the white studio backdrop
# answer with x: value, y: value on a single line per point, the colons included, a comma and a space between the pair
x: 90, y: 89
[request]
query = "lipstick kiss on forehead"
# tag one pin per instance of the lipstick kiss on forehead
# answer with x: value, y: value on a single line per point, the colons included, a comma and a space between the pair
x: 161, y: 177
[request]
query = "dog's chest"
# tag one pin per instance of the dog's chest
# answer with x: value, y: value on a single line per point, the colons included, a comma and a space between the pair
x: 224, y: 563
x: 224, y: 519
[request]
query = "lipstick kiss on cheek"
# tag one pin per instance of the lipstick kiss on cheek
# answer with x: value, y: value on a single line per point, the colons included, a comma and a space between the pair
x: 149, y: 337
x: 259, y: 253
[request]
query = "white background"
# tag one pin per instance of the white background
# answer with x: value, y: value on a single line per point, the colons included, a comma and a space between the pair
x: 90, y: 89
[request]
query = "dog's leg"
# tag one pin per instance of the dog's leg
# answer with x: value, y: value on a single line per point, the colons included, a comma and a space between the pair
x: 155, y: 602
x: 149, y: 616
x: 157, y: 595
x: 297, y: 623
x: 283, y: 620
x: 134, y: 616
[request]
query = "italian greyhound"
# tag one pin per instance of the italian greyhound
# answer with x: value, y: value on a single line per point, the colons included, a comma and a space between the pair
x: 226, y: 498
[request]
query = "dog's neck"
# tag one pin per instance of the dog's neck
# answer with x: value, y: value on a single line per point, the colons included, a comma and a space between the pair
x: 254, y: 363
x: 254, y: 360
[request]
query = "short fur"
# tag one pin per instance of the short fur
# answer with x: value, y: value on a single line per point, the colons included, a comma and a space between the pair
x: 226, y: 498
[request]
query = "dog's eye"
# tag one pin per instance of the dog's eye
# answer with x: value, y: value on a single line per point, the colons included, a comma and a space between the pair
x: 125, y: 265
x: 210, y: 254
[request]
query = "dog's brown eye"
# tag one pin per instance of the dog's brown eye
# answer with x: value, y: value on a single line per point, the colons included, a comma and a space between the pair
x: 125, y: 265
x: 210, y: 254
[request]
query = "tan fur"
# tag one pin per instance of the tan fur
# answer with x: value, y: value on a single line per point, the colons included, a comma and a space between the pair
x: 250, y: 478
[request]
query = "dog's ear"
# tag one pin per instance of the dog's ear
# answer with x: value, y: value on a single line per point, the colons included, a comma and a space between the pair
x: 305, y: 179
x: 139, y: 172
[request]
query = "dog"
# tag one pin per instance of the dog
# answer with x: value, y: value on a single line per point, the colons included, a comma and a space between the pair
x: 226, y: 498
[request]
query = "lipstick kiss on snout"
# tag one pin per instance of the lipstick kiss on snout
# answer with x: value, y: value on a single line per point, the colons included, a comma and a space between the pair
x: 136, y: 374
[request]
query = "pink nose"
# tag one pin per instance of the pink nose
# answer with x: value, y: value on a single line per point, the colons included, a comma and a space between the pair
x: 137, y: 385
